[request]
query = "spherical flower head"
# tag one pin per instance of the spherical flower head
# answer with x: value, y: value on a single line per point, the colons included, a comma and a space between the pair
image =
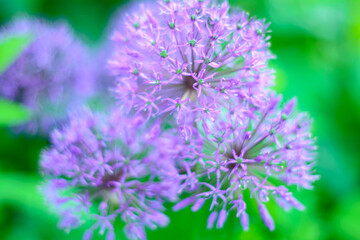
x: 113, y: 166
x: 179, y: 56
x: 50, y: 75
x: 263, y: 153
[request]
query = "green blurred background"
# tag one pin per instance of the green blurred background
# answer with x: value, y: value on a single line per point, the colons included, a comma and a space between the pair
x: 317, y: 44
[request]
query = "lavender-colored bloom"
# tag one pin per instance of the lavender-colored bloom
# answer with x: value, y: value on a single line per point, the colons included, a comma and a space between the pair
x: 115, y: 166
x: 208, y: 67
x: 51, y: 75
x: 179, y: 56
x: 233, y: 153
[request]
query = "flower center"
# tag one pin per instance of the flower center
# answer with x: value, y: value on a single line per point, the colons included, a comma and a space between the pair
x: 189, y: 81
x: 136, y: 25
x: 163, y: 54
x: 110, y: 178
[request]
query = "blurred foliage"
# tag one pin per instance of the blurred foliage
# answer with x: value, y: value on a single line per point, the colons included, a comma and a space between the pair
x: 10, y: 49
x: 317, y: 44
x: 12, y: 113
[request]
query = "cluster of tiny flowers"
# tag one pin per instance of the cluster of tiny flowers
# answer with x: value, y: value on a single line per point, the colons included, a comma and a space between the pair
x: 196, y: 117
x: 51, y: 74
x: 111, y: 166
x: 182, y: 56
x: 272, y: 146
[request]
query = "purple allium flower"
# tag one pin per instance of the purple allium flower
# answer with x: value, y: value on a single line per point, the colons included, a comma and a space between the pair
x: 176, y: 56
x: 51, y: 75
x: 263, y: 152
x: 112, y: 166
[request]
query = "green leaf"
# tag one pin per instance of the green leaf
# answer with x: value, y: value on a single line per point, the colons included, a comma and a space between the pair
x: 10, y: 49
x: 21, y: 189
x: 12, y: 113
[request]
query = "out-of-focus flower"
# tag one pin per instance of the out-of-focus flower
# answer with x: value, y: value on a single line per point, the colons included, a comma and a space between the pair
x: 51, y: 75
x: 114, y: 167
x: 272, y: 148
x: 178, y: 56
x: 104, y: 80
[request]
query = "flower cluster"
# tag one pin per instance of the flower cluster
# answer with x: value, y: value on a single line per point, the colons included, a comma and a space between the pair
x: 50, y: 75
x: 114, y: 166
x: 196, y: 117
x: 179, y: 56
